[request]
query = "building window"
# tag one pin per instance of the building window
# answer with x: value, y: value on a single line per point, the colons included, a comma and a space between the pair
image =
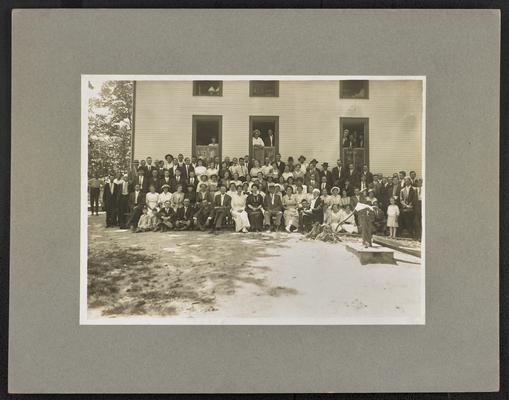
x: 354, y: 89
x: 264, y: 88
x: 207, y: 88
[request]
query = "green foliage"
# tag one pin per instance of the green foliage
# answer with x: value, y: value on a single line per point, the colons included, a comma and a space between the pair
x: 110, y: 124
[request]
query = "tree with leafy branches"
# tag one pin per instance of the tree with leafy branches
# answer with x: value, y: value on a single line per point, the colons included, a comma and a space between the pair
x: 110, y: 124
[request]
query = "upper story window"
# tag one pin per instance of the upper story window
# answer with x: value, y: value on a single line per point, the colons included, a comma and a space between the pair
x: 207, y: 88
x: 264, y: 88
x: 354, y: 89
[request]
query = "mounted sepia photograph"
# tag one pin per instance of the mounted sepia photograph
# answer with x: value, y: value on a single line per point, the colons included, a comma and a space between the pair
x: 246, y: 200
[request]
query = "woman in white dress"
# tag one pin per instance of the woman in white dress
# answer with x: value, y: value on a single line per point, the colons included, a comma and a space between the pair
x: 291, y: 213
x: 165, y: 195
x: 238, y: 210
x: 255, y: 169
x: 287, y: 173
x: 212, y: 169
x: 334, y: 198
x: 152, y: 200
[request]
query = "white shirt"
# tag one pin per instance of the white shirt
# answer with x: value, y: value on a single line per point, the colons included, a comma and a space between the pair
x: 258, y: 141
x: 136, y: 194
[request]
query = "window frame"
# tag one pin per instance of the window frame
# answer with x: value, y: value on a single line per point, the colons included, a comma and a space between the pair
x: 196, y: 92
x: 253, y: 83
x: 353, y: 98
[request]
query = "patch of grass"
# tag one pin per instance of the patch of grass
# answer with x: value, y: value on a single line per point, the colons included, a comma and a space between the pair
x: 280, y: 291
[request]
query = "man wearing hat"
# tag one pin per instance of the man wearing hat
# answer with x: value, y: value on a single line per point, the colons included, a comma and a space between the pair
x: 326, y: 173
x: 184, y: 220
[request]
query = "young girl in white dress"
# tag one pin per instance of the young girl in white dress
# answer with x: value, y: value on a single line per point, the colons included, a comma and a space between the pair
x: 392, y: 218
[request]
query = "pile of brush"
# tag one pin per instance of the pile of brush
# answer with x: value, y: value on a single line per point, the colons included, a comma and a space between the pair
x: 324, y: 233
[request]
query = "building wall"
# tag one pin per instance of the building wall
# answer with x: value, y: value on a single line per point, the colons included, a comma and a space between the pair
x: 309, y: 114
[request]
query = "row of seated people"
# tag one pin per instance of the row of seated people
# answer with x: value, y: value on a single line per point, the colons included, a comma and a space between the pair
x: 180, y: 181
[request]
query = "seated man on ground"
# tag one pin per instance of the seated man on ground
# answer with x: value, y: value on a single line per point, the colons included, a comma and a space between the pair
x: 166, y: 218
x: 184, y: 217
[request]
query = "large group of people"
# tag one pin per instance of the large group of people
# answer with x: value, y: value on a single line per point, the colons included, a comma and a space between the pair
x: 189, y: 193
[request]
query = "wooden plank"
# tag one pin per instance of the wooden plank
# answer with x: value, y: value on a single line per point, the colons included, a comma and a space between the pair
x: 372, y: 255
x: 397, y: 244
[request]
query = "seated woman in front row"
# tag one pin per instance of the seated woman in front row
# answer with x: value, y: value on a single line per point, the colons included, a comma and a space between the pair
x: 238, y: 210
x: 145, y: 221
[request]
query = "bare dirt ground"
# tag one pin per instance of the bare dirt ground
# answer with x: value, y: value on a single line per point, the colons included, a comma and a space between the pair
x: 255, y: 278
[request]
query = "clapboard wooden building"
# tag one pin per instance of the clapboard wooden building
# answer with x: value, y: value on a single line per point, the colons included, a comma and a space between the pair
x: 375, y: 122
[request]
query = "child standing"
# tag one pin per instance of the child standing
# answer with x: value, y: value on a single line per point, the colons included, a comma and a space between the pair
x: 392, y: 217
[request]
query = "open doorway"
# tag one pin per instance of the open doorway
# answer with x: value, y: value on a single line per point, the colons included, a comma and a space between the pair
x: 354, y: 140
x: 267, y: 132
x: 207, y: 136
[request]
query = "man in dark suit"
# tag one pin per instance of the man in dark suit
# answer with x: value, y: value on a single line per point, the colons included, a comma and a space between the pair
x: 353, y: 176
x: 280, y: 164
x: 408, y: 200
x: 154, y: 180
x: 326, y: 173
x: 149, y: 167
x: 324, y: 184
x: 166, y: 179
x: 141, y: 180
x: 368, y: 175
x: 222, y: 205
x: 273, y: 207
x: 166, y: 217
x: 312, y: 211
x: 338, y: 175
x: 203, y: 195
x: 270, y: 139
x: 186, y: 168
x: 204, y: 206
x: 192, y: 179
x: 348, y: 187
x: 123, y: 201
x: 136, y: 203
x: 185, y: 215
x: 110, y: 201
x: 177, y: 180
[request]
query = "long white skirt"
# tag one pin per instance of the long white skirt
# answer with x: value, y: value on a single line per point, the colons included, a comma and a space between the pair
x: 241, y: 219
x: 350, y: 228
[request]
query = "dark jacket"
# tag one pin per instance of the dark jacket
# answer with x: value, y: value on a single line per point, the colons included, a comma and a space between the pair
x: 226, y: 202
x: 110, y: 199
x: 141, y: 199
x: 267, y: 203
x: 185, y: 215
